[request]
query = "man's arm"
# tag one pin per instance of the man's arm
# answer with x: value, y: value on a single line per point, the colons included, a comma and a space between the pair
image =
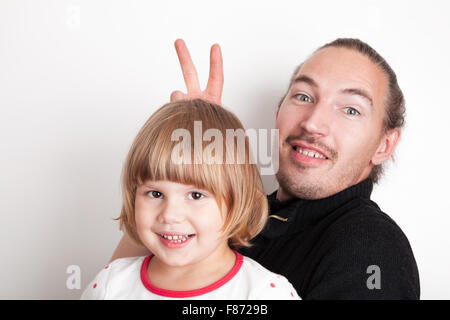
x: 128, y: 248
x: 369, y: 257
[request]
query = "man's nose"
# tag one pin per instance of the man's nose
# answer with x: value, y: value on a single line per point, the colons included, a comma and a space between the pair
x: 317, y: 119
x: 171, y: 213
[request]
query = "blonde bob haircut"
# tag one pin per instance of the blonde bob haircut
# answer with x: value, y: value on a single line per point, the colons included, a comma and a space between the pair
x: 236, y: 185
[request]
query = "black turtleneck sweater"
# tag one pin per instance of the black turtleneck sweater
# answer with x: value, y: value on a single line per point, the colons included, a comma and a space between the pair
x: 340, y: 247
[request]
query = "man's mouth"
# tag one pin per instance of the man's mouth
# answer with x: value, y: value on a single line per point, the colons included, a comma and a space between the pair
x: 309, y: 152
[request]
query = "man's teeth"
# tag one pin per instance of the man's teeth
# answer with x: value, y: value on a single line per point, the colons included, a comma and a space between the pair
x: 176, y: 239
x: 311, y: 154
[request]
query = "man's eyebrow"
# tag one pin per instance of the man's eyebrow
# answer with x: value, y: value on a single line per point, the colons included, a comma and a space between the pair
x: 306, y: 79
x: 359, y: 92
x: 352, y: 91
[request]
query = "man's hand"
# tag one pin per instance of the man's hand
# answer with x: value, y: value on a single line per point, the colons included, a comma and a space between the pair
x: 213, y: 91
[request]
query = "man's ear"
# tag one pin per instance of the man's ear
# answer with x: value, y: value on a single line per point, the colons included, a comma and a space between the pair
x: 387, y: 146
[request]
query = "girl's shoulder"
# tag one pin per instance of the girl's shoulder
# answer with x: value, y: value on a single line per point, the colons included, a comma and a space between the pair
x: 265, y: 284
x: 122, y: 264
x: 111, y: 275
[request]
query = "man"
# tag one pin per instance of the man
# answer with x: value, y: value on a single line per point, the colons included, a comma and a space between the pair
x: 339, y: 121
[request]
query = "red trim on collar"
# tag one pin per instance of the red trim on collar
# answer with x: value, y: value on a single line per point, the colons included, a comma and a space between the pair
x: 189, y: 293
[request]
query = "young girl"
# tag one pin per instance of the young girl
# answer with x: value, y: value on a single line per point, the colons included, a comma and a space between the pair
x: 191, y: 208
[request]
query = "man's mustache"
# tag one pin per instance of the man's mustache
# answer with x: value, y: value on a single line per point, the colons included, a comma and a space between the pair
x: 313, y: 142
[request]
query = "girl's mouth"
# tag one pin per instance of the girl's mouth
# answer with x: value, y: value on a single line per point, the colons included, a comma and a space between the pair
x: 172, y: 240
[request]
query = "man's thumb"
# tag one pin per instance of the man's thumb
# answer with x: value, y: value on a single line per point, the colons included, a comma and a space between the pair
x: 176, y: 96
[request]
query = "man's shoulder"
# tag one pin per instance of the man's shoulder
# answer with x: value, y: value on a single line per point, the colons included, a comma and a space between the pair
x: 367, y: 236
x: 358, y: 241
x: 366, y: 225
x: 366, y: 216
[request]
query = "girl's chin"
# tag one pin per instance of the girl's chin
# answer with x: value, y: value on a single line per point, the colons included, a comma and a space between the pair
x: 173, y: 261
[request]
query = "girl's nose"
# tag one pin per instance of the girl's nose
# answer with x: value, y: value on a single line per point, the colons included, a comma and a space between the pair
x: 171, y: 213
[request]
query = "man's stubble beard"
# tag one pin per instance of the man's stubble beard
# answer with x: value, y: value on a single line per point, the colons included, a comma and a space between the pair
x: 323, y: 184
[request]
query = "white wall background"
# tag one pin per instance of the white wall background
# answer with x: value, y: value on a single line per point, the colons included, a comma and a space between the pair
x: 79, y: 78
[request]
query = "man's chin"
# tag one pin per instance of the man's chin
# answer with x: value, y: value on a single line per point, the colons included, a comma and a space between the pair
x: 311, y: 184
x: 314, y: 184
x: 296, y: 186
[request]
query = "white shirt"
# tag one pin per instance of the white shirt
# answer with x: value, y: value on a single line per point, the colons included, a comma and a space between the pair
x: 127, y: 279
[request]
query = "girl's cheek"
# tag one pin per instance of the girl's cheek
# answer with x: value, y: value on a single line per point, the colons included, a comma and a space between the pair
x: 142, y: 220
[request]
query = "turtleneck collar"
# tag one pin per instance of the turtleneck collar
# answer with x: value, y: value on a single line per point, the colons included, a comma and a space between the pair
x: 301, y: 213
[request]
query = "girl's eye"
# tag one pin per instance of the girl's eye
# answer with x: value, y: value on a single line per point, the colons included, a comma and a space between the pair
x: 195, y: 195
x: 302, y: 97
x: 351, y: 111
x: 155, y: 194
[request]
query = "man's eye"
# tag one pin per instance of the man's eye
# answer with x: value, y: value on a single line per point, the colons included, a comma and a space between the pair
x: 195, y: 195
x: 155, y: 194
x: 351, y: 111
x: 302, y: 97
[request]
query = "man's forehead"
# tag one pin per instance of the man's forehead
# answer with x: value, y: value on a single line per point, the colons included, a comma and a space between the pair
x: 341, y: 69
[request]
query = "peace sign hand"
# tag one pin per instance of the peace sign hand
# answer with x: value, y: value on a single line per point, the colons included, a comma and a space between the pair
x: 213, y: 91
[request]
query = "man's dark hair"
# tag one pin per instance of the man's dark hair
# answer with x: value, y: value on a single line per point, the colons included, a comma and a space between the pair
x: 394, y: 116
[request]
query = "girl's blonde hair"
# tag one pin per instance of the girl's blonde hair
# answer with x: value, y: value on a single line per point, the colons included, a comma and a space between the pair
x: 238, y: 186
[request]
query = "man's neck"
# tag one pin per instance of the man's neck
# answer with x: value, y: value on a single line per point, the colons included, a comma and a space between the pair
x: 282, y: 195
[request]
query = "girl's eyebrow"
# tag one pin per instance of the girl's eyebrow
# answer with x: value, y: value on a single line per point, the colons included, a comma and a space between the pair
x: 145, y: 185
x: 189, y: 187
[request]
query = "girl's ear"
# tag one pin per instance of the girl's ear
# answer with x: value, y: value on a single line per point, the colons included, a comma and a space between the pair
x: 387, y: 146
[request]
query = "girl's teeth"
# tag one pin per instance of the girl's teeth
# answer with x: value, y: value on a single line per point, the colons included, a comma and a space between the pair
x: 175, y: 239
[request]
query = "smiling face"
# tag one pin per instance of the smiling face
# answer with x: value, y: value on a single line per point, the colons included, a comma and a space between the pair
x: 331, y: 125
x: 180, y: 224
